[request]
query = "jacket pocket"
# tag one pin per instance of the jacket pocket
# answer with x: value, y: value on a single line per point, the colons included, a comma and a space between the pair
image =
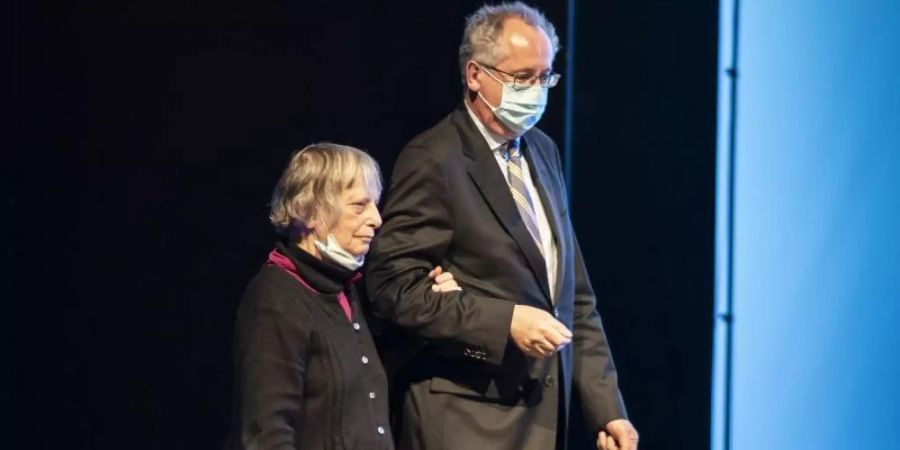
x: 445, y: 386
x: 478, y: 388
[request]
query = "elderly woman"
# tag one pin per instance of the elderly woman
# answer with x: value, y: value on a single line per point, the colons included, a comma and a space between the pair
x: 308, y: 375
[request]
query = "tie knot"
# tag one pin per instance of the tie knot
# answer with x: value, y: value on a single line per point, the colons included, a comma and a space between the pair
x: 512, y: 149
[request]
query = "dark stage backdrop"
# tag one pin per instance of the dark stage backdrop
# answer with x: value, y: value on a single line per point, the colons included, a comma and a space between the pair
x: 148, y: 136
x: 644, y: 201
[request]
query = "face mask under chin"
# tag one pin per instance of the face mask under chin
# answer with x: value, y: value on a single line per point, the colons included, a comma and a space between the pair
x: 332, y: 251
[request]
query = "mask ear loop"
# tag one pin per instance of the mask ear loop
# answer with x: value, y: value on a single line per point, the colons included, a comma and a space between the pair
x: 488, y: 72
x: 500, y: 82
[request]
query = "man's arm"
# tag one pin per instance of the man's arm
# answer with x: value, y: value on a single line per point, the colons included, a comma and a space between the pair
x: 417, y: 231
x: 594, y: 374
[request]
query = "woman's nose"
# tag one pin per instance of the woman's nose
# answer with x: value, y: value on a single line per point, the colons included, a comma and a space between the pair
x: 375, y: 217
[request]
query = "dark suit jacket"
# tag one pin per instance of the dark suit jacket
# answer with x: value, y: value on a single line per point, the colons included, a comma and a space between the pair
x: 449, y: 204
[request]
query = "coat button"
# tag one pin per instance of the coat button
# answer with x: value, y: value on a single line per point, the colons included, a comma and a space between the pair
x: 365, y: 360
x: 356, y: 326
x: 372, y: 395
x: 548, y: 380
x: 380, y: 430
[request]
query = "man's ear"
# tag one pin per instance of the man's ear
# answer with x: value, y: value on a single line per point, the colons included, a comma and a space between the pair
x: 472, y: 71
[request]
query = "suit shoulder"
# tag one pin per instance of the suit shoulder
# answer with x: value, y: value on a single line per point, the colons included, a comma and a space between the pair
x: 439, y: 144
x: 545, y: 142
x: 546, y: 146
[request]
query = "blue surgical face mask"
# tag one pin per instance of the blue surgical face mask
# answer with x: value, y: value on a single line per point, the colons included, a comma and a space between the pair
x: 519, y: 110
x: 332, y: 251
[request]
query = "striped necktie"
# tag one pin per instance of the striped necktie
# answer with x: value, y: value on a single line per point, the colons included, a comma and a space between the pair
x: 516, y: 179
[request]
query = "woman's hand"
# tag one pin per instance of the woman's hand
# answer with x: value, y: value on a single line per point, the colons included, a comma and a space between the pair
x: 443, y: 281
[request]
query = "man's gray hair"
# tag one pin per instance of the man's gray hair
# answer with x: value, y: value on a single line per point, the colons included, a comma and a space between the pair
x: 311, y: 185
x: 484, y: 26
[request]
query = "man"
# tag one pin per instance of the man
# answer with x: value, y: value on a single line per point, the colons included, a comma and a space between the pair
x: 482, y: 195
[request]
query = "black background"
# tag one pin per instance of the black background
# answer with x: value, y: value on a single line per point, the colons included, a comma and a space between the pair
x: 148, y: 136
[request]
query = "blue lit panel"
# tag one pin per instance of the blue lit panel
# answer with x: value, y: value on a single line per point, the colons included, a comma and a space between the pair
x: 816, y: 240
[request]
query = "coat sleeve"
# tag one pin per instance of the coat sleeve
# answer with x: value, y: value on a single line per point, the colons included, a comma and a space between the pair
x: 593, y: 373
x: 415, y: 236
x: 271, y: 368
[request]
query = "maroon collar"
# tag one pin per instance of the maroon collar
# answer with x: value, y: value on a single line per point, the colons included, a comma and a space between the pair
x: 281, y: 261
x: 276, y: 258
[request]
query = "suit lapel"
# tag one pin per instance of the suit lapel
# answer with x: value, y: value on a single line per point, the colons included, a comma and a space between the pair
x: 548, y: 189
x: 487, y: 176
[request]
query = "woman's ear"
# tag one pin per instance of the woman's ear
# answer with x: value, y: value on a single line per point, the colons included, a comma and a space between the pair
x: 306, y: 227
x: 317, y: 226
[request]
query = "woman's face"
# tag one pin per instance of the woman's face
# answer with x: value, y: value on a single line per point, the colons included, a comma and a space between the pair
x: 358, y: 219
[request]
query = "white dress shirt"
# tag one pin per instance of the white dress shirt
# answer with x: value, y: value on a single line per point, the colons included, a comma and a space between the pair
x: 496, y: 144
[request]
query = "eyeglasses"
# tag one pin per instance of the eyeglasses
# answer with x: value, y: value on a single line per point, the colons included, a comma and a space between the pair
x: 547, y: 79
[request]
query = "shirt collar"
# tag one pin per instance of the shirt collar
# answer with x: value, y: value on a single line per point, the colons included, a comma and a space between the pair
x: 493, y: 140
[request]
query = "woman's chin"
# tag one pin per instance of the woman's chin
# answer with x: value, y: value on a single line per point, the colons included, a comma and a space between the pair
x: 360, y: 250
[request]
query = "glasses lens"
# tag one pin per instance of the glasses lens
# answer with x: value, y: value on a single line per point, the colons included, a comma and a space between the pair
x: 550, y: 80
x: 547, y: 80
x: 521, y: 83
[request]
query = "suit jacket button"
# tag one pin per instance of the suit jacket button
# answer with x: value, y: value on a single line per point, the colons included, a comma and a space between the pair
x: 548, y: 380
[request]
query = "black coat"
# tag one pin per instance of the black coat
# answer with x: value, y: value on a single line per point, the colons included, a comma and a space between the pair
x: 306, y: 377
x: 468, y: 386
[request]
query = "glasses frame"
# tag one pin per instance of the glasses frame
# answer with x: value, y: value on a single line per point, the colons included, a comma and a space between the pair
x: 547, y: 79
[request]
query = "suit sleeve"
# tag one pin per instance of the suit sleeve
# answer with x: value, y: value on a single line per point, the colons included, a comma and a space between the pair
x: 271, y: 370
x: 593, y: 372
x: 415, y: 236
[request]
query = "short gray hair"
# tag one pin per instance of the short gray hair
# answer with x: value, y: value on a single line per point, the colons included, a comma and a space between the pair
x: 484, y: 26
x: 311, y: 185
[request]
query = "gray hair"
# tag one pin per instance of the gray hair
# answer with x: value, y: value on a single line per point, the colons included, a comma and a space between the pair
x: 311, y: 185
x: 484, y: 26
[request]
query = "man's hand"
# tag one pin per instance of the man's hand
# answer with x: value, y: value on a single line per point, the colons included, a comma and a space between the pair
x: 618, y: 435
x: 537, y: 333
x: 443, y: 281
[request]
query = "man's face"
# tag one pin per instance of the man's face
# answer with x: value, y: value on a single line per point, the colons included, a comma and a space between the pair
x: 528, y: 53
